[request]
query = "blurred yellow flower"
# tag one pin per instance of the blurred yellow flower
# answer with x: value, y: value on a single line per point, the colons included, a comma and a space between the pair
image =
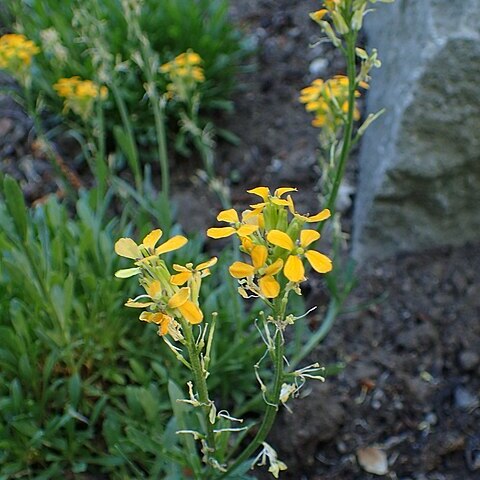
x: 184, y: 72
x: 79, y: 95
x: 16, y: 53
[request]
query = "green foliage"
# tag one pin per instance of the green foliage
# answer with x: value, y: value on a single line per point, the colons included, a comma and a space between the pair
x: 171, y: 27
x: 84, y: 387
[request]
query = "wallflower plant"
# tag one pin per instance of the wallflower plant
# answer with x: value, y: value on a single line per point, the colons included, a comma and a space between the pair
x: 276, y: 243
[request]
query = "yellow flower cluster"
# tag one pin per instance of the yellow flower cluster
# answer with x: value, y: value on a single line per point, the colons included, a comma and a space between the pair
x: 273, y: 237
x: 184, y: 72
x: 16, y: 53
x: 169, y: 299
x: 79, y: 95
x: 328, y: 100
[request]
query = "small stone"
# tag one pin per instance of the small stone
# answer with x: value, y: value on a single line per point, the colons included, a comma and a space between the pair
x: 468, y: 360
x: 373, y: 460
x: 318, y: 67
x: 464, y: 399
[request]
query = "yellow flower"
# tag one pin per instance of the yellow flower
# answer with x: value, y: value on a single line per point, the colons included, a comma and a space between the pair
x: 158, y: 318
x: 318, y: 15
x: 329, y: 101
x: 16, y: 53
x: 185, y: 72
x: 187, y: 271
x: 79, y: 95
x: 189, y: 310
x: 318, y: 217
x: 264, y: 193
x: 126, y: 247
x: 294, y: 269
x: 242, y: 229
x: 267, y: 283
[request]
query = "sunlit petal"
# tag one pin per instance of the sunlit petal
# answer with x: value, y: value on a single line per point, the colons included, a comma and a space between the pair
x: 220, y: 232
x: 207, y: 264
x: 241, y: 270
x: 126, y: 247
x: 320, y: 216
x: 246, y: 230
x: 280, y: 239
x: 230, y: 216
x: 307, y: 237
x: 269, y: 286
x: 179, y: 298
x: 259, y: 256
x: 173, y: 243
x: 319, y: 262
x: 127, y: 272
x: 275, y: 267
x: 156, y: 318
x: 263, y: 192
x: 191, y: 312
x: 283, y: 190
x: 180, y: 278
x: 280, y: 202
x: 132, y: 304
x: 294, y: 269
x: 154, y: 288
x: 152, y: 238
x: 180, y: 268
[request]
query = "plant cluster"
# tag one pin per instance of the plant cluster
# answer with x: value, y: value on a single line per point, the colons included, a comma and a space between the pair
x: 82, y: 388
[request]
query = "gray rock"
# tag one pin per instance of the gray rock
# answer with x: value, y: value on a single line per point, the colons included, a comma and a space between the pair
x: 468, y: 360
x: 419, y: 183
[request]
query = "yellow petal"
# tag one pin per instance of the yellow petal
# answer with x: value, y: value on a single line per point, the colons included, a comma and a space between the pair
x: 280, y: 202
x: 319, y: 262
x: 127, y: 272
x: 263, y: 192
x: 283, y: 190
x: 126, y: 247
x: 275, y: 267
x: 269, y: 286
x: 173, y: 243
x: 207, y: 264
x: 180, y: 278
x: 180, y: 268
x: 152, y: 238
x: 156, y: 318
x: 246, y: 230
x: 320, y: 216
x: 258, y: 206
x: 247, y: 244
x: 163, y: 328
x: 307, y: 237
x: 179, y: 298
x: 190, y: 312
x: 280, y: 239
x: 220, y: 232
x: 230, y: 216
x: 241, y: 270
x: 131, y: 303
x: 259, y: 256
x: 154, y: 288
x: 293, y: 269
x: 318, y: 15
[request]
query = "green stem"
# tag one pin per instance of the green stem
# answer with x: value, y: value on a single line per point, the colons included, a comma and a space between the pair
x: 270, y: 411
x: 200, y: 382
x: 348, y: 131
x: 132, y: 154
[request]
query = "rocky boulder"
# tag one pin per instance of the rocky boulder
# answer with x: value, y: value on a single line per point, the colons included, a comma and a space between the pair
x: 419, y: 182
